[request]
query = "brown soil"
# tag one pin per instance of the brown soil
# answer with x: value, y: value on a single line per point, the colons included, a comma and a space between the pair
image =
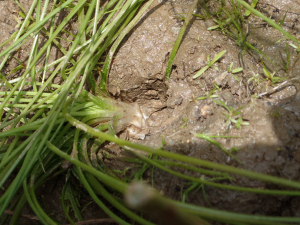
x: 270, y: 144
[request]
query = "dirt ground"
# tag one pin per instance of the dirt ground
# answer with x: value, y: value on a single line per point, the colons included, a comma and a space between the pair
x: 270, y: 144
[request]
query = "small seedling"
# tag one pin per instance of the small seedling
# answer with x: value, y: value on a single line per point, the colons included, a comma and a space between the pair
x: 295, y: 47
x: 234, y: 149
x: 271, y: 77
x: 233, y: 71
x: 255, y: 82
x: 180, y: 16
x: 193, y: 99
x: 202, y: 17
x: 185, y: 122
x: 221, y: 25
x: 209, y: 139
x: 283, y: 19
x: 209, y: 95
x: 276, y: 113
x: 231, y: 116
x: 253, y: 4
x: 193, y: 186
x: 122, y: 172
x: 237, y: 70
x: 209, y: 64
x: 163, y: 143
x: 254, y: 78
x: 217, y: 87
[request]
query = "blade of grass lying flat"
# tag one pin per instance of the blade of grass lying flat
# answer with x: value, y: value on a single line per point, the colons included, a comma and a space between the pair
x: 35, y: 206
x: 99, y: 189
x: 179, y: 38
x: 205, y: 137
x: 236, y: 218
x: 96, y: 199
x: 73, y: 202
x: 24, y: 128
x: 187, y: 159
x: 100, y: 203
x: 112, y: 182
x: 269, y: 21
x: 65, y: 209
x: 49, y: 47
x: 42, y: 179
x: 90, y: 182
x: 181, y: 165
x: 211, y: 213
x: 37, y: 212
x: 192, y: 168
x: 34, y: 47
x: 213, y: 184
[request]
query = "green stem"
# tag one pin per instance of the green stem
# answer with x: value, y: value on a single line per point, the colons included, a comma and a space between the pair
x: 104, y: 193
x: 217, y: 185
x: 182, y: 158
x: 113, y: 183
x: 179, y: 38
x: 269, y: 21
x: 237, y: 218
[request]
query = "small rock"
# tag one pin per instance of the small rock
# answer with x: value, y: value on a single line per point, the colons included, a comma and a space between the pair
x: 151, y: 93
x: 178, y: 100
x: 221, y: 80
x: 206, y: 110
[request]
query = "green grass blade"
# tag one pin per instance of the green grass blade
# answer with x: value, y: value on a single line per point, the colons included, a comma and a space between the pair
x: 179, y: 38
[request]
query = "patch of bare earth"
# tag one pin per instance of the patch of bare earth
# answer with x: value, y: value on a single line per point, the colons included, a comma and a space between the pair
x: 269, y: 144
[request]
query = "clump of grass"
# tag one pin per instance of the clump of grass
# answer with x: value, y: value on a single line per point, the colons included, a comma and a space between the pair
x: 35, y: 117
x: 57, y: 129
